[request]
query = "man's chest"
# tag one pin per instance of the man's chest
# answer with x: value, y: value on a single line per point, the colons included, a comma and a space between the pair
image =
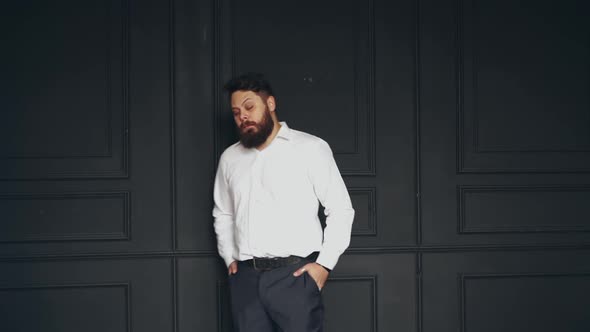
x: 270, y: 177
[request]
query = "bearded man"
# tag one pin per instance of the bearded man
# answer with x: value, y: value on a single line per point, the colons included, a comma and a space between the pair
x: 267, y: 193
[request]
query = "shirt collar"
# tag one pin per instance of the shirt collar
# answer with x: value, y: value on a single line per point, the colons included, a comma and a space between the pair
x: 285, y: 131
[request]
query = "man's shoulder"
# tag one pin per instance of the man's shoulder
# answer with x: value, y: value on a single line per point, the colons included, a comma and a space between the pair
x: 231, y: 152
x: 306, y: 140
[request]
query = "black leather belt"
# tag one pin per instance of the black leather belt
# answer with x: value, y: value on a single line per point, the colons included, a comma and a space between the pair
x: 269, y: 263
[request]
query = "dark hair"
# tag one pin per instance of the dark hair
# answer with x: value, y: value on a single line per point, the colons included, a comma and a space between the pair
x: 255, y: 82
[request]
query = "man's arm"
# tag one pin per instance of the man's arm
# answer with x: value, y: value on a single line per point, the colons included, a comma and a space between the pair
x: 333, y: 195
x: 224, y: 216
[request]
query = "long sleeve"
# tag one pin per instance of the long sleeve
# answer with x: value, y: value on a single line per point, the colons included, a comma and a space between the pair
x: 224, y: 216
x: 331, y: 191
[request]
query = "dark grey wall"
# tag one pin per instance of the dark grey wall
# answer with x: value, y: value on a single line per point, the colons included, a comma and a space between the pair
x: 462, y: 129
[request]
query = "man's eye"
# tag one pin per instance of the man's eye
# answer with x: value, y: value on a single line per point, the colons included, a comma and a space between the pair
x: 248, y: 107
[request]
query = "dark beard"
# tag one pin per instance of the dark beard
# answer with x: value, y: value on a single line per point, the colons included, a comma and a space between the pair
x: 253, y: 139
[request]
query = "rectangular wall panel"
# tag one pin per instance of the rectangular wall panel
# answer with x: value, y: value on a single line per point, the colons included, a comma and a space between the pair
x: 364, y: 316
x: 524, y: 77
x: 92, y: 308
x: 531, y: 302
x: 64, y: 90
x: 539, y: 290
x: 363, y: 201
x: 508, y: 209
x: 112, y: 294
x: 64, y: 217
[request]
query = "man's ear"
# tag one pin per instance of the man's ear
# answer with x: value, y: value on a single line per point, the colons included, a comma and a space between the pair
x: 271, y: 103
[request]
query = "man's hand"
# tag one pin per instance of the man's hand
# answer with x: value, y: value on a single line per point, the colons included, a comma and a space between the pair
x: 317, y: 272
x: 232, y: 268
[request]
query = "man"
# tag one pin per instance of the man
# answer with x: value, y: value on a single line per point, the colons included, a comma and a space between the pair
x: 267, y: 193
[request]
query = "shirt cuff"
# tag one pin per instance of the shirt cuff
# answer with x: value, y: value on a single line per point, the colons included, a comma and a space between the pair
x: 228, y: 260
x: 327, y: 259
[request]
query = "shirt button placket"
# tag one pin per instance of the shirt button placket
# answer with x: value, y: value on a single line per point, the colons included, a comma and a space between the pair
x: 252, y: 203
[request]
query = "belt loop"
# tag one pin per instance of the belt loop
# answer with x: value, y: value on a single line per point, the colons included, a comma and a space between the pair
x: 254, y: 263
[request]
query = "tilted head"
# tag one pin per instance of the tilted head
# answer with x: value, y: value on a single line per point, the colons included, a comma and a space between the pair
x: 253, y: 106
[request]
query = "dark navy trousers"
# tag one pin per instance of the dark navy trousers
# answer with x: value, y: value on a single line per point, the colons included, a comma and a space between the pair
x: 275, y: 300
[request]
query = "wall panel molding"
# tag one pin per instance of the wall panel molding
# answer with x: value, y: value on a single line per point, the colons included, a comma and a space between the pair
x: 372, y: 280
x: 123, y: 197
x: 111, y: 160
x: 474, y: 156
x: 125, y: 287
x: 368, y: 194
x: 464, y: 226
x: 464, y: 278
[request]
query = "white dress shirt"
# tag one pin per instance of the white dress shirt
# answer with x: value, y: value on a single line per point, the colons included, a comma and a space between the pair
x: 266, y: 202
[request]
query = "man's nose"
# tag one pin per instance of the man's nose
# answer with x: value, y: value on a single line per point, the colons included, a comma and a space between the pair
x: 243, y: 116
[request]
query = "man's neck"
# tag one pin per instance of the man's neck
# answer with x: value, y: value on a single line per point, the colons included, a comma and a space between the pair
x: 271, y: 137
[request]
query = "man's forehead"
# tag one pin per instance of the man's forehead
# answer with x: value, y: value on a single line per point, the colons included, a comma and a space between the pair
x: 240, y: 96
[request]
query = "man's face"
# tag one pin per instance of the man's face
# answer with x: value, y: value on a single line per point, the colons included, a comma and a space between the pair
x: 253, y: 117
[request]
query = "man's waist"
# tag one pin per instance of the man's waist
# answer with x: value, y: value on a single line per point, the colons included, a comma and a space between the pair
x: 270, y: 263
